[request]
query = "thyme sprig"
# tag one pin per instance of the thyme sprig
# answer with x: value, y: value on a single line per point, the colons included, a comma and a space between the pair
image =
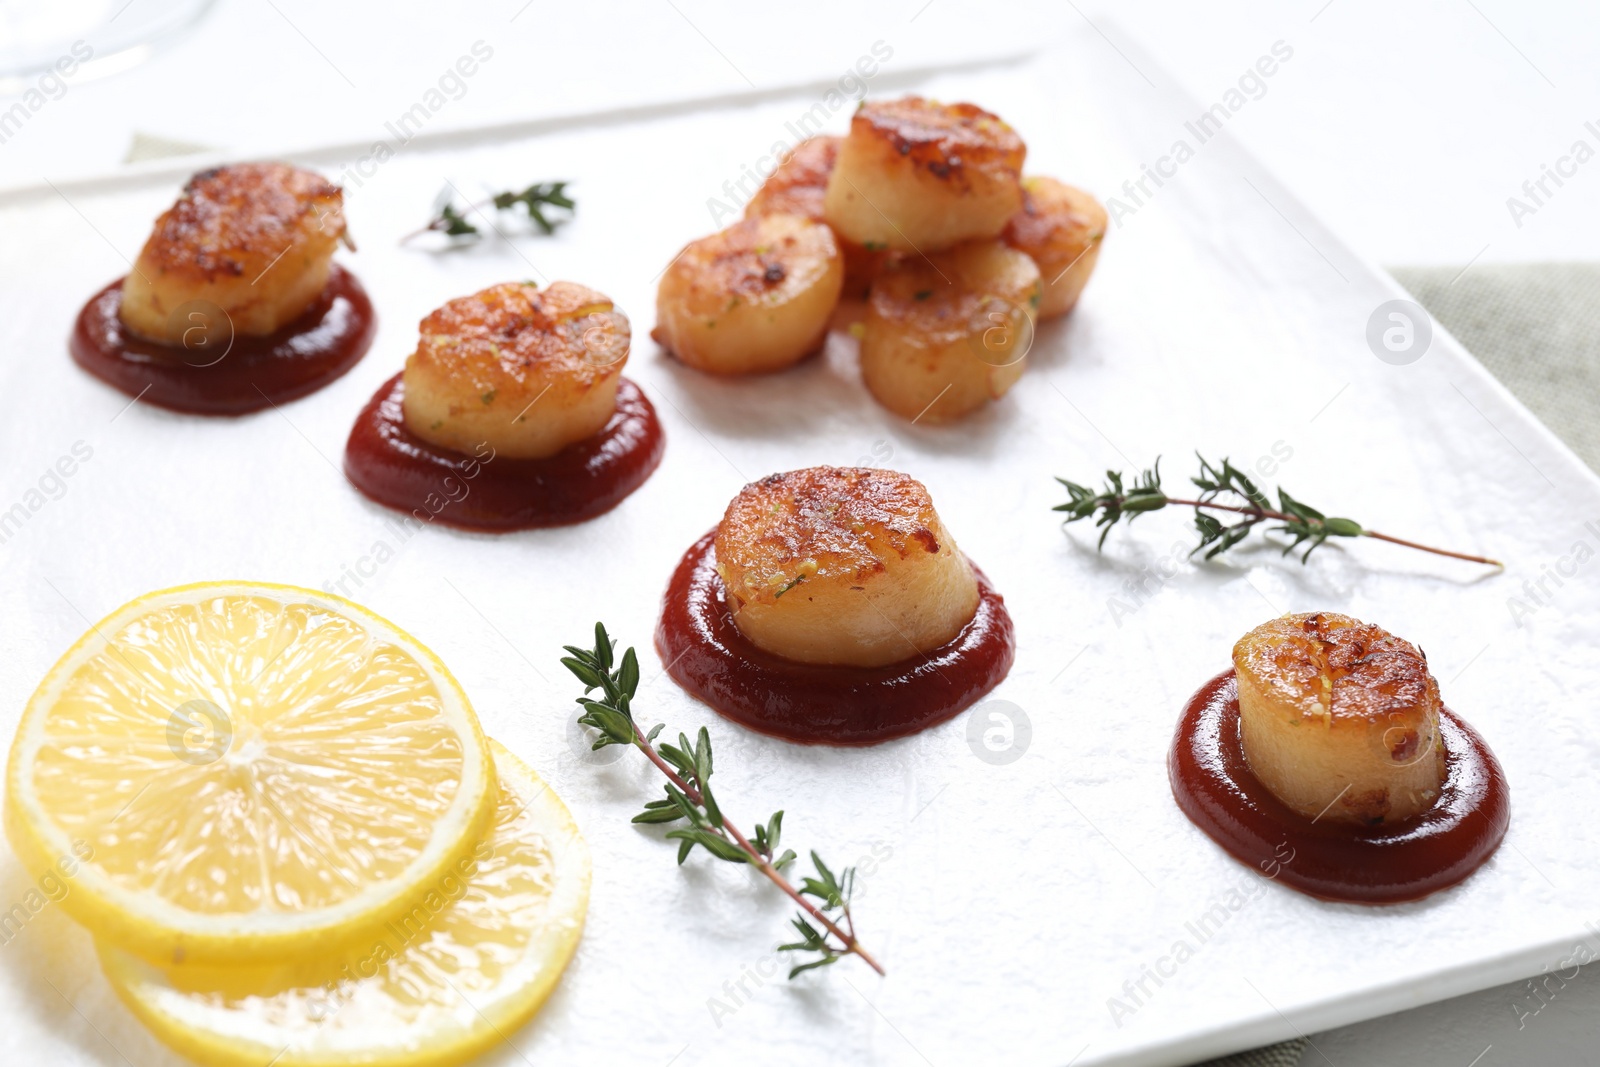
x: 536, y: 198
x: 1224, y: 488
x: 827, y: 928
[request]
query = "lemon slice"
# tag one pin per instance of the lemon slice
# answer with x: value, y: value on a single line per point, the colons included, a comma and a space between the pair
x: 473, y: 959
x: 243, y: 772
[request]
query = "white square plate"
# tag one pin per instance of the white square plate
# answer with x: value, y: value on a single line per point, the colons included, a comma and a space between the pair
x: 1012, y: 902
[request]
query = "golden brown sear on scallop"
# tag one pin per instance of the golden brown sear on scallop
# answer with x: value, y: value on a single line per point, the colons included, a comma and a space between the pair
x: 916, y: 175
x: 753, y: 298
x: 843, y: 565
x: 1339, y: 718
x: 798, y: 187
x: 1061, y: 228
x: 523, y: 370
x: 255, y: 240
x: 799, y: 184
x: 946, y: 334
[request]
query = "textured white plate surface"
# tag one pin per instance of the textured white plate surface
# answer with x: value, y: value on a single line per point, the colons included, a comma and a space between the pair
x: 1010, y: 902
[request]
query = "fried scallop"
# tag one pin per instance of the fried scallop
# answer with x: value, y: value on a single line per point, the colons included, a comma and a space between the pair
x: 798, y: 187
x: 915, y: 175
x: 1339, y: 719
x: 753, y: 298
x: 945, y: 334
x: 799, y: 183
x: 254, y: 241
x: 1060, y: 228
x: 842, y: 565
x: 525, y: 370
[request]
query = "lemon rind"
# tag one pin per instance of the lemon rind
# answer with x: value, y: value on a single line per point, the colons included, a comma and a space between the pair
x: 144, y: 990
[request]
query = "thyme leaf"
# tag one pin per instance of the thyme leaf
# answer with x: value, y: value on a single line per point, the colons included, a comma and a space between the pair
x: 536, y: 200
x: 824, y: 921
x: 1228, y: 490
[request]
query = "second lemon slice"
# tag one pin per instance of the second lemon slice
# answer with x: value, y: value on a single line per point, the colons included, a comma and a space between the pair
x: 473, y: 959
x: 242, y: 771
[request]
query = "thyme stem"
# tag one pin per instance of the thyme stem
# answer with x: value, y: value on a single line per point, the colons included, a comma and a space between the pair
x: 1436, y: 551
x: 687, y: 768
x: 536, y: 199
x: 440, y: 221
x: 1302, y: 522
x: 851, y: 945
x: 1280, y: 516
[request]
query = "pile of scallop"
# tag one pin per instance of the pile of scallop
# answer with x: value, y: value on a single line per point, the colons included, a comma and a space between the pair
x: 923, y: 212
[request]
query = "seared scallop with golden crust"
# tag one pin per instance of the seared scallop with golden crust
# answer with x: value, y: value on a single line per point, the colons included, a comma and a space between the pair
x: 798, y: 187
x: 915, y: 175
x: 946, y: 334
x: 528, y: 371
x: 1061, y: 228
x: 255, y: 240
x: 752, y: 298
x: 799, y: 184
x: 1339, y: 719
x: 843, y: 565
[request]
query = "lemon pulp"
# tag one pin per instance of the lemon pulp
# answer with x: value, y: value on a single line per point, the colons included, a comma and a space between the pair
x: 245, y: 771
x: 473, y: 958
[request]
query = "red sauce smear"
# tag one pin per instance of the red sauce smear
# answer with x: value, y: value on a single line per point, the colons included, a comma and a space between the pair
x: 256, y: 372
x: 813, y: 703
x: 398, y: 469
x: 1387, y: 864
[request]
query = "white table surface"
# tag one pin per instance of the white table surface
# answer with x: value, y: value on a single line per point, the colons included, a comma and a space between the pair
x: 1405, y: 126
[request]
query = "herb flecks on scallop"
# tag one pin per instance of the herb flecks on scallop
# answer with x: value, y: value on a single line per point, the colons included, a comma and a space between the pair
x: 1339, y: 718
x: 946, y: 334
x: 848, y: 566
x: 799, y: 186
x: 525, y: 370
x: 752, y: 298
x: 253, y: 240
x: 915, y: 175
x: 1060, y: 228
